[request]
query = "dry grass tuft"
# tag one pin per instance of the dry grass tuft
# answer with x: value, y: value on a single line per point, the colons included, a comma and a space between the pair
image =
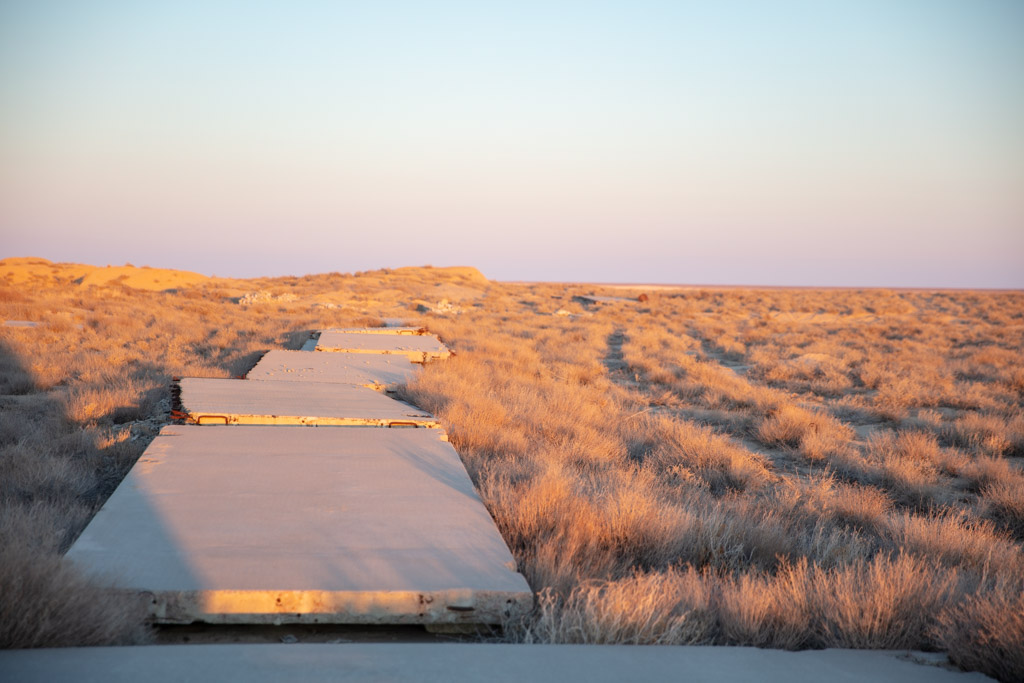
x: 986, y: 633
x: 886, y: 603
x: 47, y: 603
x: 957, y: 539
x: 689, y: 451
x: 816, y: 436
x: 863, y: 508
x: 1003, y: 502
x: 670, y: 608
x: 906, y: 464
x: 994, y: 435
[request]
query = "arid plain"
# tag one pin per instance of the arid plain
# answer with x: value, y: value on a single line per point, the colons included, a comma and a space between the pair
x: 785, y: 468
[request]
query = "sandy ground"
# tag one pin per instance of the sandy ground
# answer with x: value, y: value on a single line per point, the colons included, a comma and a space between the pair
x: 21, y: 271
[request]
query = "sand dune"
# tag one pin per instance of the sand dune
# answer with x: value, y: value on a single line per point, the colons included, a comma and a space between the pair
x: 143, y: 278
x: 23, y: 270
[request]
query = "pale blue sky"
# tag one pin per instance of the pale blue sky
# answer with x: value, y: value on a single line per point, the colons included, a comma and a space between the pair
x: 818, y: 142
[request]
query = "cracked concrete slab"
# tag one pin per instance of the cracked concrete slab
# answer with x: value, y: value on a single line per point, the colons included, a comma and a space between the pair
x: 368, y: 370
x: 417, y: 348
x: 274, y: 402
x: 254, y: 524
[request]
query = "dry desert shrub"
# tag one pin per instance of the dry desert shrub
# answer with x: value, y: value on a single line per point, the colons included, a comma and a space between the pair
x: 684, y: 450
x: 1003, y: 502
x: 982, y: 471
x: 985, y: 632
x: 864, y: 508
x: 990, y: 434
x: 877, y: 532
x: 907, y: 464
x: 47, y: 603
x: 956, y: 538
x: 815, y: 435
x: 885, y: 603
x: 760, y: 610
x: 668, y: 608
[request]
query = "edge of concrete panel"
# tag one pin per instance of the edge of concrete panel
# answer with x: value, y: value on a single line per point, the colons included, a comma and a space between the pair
x: 200, y: 418
x: 414, y: 356
x: 227, y: 414
x: 338, y: 607
x: 417, y: 331
x: 418, y: 348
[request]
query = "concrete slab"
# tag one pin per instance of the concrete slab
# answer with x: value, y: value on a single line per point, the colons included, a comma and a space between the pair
x: 309, y: 344
x: 494, y: 663
x: 368, y: 370
x: 298, y: 525
x: 417, y: 348
x: 594, y: 299
x: 415, y: 331
x: 274, y: 402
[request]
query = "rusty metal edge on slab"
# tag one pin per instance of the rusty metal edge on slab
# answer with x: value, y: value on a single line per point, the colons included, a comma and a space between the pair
x: 201, y: 418
x: 382, y: 411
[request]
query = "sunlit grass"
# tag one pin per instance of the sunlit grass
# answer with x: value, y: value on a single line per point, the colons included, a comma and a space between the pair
x: 775, y: 468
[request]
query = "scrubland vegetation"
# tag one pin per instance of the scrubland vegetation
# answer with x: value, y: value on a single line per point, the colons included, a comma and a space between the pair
x: 780, y: 468
x: 775, y: 468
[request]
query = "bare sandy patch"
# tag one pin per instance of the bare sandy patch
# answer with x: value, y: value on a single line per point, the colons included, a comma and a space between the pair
x: 26, y: 270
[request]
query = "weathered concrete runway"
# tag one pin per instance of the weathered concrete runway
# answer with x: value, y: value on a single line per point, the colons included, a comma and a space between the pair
x: 235, y: 524
x: 300, y: 508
